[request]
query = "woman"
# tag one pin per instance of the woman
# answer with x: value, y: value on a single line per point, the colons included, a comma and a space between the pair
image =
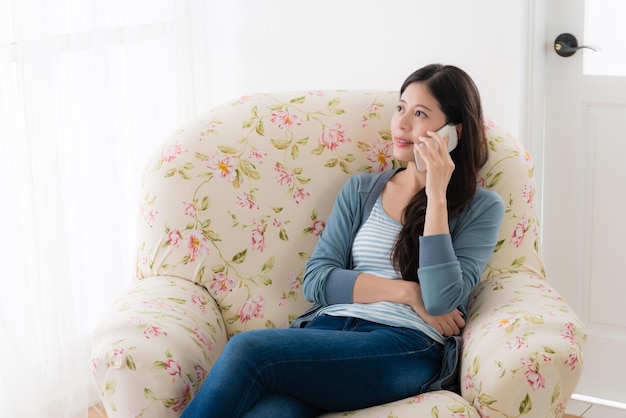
x: 390, y: 276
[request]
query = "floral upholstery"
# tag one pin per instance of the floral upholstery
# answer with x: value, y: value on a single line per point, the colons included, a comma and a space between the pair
x: 231, y: 208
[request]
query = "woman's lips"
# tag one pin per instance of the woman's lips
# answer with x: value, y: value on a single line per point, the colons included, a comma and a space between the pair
x: 402, y: 142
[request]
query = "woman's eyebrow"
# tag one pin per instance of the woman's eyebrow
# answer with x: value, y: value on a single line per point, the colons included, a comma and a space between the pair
x: 417, y: 105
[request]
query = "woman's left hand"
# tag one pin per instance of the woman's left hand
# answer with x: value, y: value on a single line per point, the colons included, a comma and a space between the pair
x: 448, y: 324
x: 439, y: 164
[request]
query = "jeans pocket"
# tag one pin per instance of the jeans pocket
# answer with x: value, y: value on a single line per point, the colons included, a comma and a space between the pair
x: 423, y: 342
x: 327, y: 322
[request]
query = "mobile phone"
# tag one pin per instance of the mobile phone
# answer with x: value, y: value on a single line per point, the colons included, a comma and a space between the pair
x: 453, y: 140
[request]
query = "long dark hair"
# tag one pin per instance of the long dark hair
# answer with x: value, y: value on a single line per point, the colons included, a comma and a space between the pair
x: 459, y: 100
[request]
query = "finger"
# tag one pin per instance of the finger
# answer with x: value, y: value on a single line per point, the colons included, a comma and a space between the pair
x: 425, y: 145
x: 448, y: 330
x: 454, y: 329
x: 461, y: 323
x: 421, y: 148
x: 459, y: 320
x: 441, y: 142
x: 440, y: 326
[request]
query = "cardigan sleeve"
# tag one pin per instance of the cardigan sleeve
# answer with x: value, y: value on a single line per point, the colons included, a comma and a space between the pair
x: 451, y: 264
x: 328, y: 278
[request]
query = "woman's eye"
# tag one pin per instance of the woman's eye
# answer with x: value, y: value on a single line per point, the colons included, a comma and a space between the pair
x: 420, y: 114
x: 398, y: 108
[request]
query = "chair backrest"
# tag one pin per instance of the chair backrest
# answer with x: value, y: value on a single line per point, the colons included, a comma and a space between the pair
x: 235, y: 200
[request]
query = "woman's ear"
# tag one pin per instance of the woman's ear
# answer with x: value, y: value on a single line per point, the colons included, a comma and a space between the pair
x: 459, y: 129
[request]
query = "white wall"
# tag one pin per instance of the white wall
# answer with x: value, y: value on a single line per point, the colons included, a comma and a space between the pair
x: 370, y: 44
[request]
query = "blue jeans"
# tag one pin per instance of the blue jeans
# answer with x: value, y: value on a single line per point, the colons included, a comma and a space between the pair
x: 333, y: 364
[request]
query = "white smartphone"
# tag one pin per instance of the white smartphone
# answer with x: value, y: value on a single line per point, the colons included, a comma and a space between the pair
x: 453, y: 140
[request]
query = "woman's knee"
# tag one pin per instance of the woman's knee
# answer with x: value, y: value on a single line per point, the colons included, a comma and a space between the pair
x: 248, y: 345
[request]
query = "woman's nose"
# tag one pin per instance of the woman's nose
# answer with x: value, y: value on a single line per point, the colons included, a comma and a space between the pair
x: 403, y: 122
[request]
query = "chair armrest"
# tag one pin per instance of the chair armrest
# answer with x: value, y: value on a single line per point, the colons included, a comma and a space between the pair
x: 151, y: 353
x: 440, y: 404
x: 522, y: 348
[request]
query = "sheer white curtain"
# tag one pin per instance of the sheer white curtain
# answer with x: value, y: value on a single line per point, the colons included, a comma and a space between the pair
x: 88, y: 88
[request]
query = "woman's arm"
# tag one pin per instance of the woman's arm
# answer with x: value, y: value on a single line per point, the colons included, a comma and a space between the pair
x: 451, y: 264
x: 453, y: 253
x: 347, y: 286
x: 440, y: 168
x: 328, y: 278
x: 369, y: 288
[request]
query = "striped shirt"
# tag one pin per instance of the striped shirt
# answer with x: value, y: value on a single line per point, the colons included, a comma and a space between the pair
x: 371, y: 252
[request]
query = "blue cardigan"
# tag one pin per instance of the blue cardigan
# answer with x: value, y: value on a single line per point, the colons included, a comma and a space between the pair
x: 450, y: 264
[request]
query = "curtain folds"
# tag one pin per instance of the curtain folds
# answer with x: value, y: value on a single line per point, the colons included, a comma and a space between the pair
x: 88, y: 88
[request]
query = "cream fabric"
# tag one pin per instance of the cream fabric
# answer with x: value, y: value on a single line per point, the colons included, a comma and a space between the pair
x: 231, y: 208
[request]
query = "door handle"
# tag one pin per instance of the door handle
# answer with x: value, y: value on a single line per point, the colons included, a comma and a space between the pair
x: 566, y: 45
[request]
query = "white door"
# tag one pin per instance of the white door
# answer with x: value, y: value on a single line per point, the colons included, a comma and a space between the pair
x: 584, y: 189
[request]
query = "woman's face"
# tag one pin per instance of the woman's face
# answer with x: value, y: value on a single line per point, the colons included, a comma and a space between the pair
x: 418, y: 112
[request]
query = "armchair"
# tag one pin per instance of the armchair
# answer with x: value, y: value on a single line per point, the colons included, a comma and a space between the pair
x: 231, y: 208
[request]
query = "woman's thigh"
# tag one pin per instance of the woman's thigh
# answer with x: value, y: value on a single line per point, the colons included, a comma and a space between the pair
x: 340, y: 364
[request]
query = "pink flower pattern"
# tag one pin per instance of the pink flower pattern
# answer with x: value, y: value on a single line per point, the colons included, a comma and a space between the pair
x: 199, y: 301
x: 572, y: 361
x: 257, y: 155
x: 204, y: 339
x: 285, y: 119
x: 372, y: 111
x: 190, y: 209
x: 317, y: 227
x: 201, y: 374
x: 157, y: 305
x: 517, y: 238
x: 153, y: 331
x: 221, y: 284
x: 147, y: 214
x: 243, y: 99
x: 246, y: 201
x: 114, y: 359
x: 528, y: 195
x: 257, y: 237
x: 516, y: 344
x: 222, y: 166
x: 568, y: 334
x: 294, y: 283
x: 174, y: 237
x: 300, y: 194
x: 174, y: 369
x: 333, y: 136
x: 171, y: 151
x: 381, y: 155
x: 196, y: 244
x: 284, y: 177
x: 534, y: 379
x: 252, y: 308
x: 183, y: 400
